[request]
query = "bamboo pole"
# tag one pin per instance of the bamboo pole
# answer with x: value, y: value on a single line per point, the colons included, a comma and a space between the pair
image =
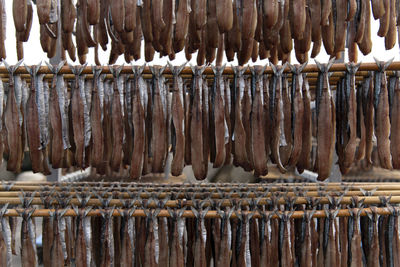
x: 210, y: 213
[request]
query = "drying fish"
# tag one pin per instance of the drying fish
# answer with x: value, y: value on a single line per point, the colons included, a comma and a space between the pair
x: 350, y: 148
x: 177, y: 257
x: 57, y: 249
x: 116, y: 121
x: 326, y: 123
x: 107, y: 249
x: 138, y: 113
x: 276, y: 114
x: 355, y: 256
x: 159, y: 120
x: 28, y: 239
x: 83, y: 238
x: 304, y: 161
x: 382, y: 120
x: 178, y: 119
x: 151, y: 237
x: 298, y: 113
x: 196, y: 135
x: 285, y: 242
x: 77, y: 116
x: 96, y: 121
x: 12, y: 125
x: 258, y: 134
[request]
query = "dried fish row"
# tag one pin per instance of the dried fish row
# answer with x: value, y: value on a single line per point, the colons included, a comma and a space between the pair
x: 245, y: 29
x: 256, y: 235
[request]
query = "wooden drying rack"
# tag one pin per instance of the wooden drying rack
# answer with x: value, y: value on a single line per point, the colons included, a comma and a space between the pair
x: 124, y: 196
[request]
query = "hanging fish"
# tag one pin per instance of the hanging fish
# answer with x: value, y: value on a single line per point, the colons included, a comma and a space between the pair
x: 200, y: 238
x: 179, y: 129
x: 159, y: 120
x: 373, y: 253
x: 5, y: 239
x: 83, y: 250
x: 139, y: 96
x: 350, y: 148
x: 326, y: 123
x: 151, y: 253
x: 28, y: 239
x: 332, y: 253
x: 107, y: 249
x: 177, y: 257
x: 196, y: 135
x: 276, y: 114
x: 355, y: 255
x: 297, y: 113
x: 382, y: 120
x: 58, y: 246
x: 240, y: 152
x: 285, y: 242
x: 258, y: 134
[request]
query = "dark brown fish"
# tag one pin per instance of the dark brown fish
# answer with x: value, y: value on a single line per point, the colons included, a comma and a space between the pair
x: 150, y: 244
x: 206, y: 124
x: 82, y: 245
x: 373, y: 254
x: 224, y: 15
x: 223, y: 257
x: 271, y: 12
x: 246, y: 120
x: 297, y: 18
x: 306, y: 247
x: 326, y: 123
x: 355, y: 245
x: 332, y: 253
x: 196, y: 124
x: 267, y: 121
x: 285, y: 240
x: 43, y: 9
x: 20, y: 13
x: 228, y: 116
x: 181, y: 25
x: 5, y: 239
x: 360, y: 154
x: 382, y: 119
x: 159, y: 120
x: 200, y: 239
x: 257, y: 118
x: 304, y: 161
x: 57, y: 251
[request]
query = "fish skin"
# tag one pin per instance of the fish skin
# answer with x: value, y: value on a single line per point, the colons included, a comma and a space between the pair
x: 219, y: 118
x: 266, y: 118
x: 341, y: 25
x: 360, y: 154
x: 326, y: 126
x: 117, y: 10
x: 356, y: 259
x: 365, y: 45
x: 352, y: 8
x: 56, y: 128
x: 246, y: 120
x: 138, y: 122
x: 257, y: 133
x: 304, y: 161
x: 326, y: 10
x: 360, y: 21
x: 117, y: 129
x: 205, y: 125
x: 196, y: 123
x: 56, y: 250
x: 297, y: 17
x: 328, y: 35
x: 271, y: 12
x: 390, y: 37
x: 93, y: 11
x: 227, y: 110
x: 177, y: 257
x: 285, y: 151
x: 373, y: 253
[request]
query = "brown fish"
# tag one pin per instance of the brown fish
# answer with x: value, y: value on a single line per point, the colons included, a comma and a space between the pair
x: 159, y: 120
x: 57, y: 251
x: 382, y: 119
x: 82, y: 245
x: 240, y: 153
x: 267, y: 122
x: 13, y: 128
x: 304, y: 161
x: 77, y: 112
x: 257, y: 119
x: 360, y: 154
x: 373, y: 256
x: 384, y: 21
x: 196, y: 135
x: 28, y: 239
x: 96, y: 123
x: 150, y: 245
x: 32, y: 125
x: 200, y: 241
x: 271, y: 12
x: 246, y: 120
x: 223, y: 257
x: 116, y: 122
x: 20, y: 13
x: 369, y: 118
x: 139, y: 91
x: 276, y: 114
x: 355, y: 245
x: 177, y: 110
x: 181, y: 26
x: 306, y: 248
x: 350, y: 148
x: 224, y: 15
x: 297, y: 18
x: 228, y: 116
x: 326, y: 123
x: 332, y: 253
x: 298, y: 114
x: 395, y: 126
x: 378, y: 8
x: 43, y: 9
x: 177, y: 257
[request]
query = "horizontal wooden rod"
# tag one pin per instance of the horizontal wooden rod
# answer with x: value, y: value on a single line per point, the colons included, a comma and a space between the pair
x: 210, y: 213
